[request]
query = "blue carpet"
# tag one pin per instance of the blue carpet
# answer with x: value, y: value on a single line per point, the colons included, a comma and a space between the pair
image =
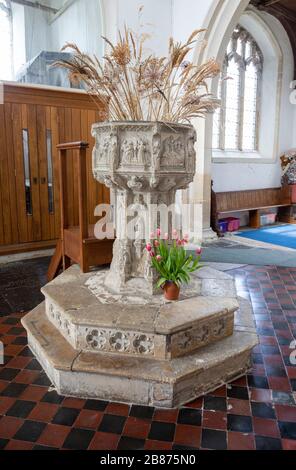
x: 283, y: 235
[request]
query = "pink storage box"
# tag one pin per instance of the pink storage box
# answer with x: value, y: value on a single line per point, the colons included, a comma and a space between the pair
x: 233, y: 224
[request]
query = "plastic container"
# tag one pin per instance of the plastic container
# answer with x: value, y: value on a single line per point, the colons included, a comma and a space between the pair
x: 267, y: 219
x: 233, y: 224
x: 223, y: 225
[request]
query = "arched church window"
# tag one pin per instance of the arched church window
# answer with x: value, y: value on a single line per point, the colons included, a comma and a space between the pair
x: 6, y: 63
x: 236, y: 123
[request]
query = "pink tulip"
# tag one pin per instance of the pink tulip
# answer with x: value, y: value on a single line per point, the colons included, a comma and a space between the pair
x: 152, y: 254
x: 158, y: 231
x: 156, y: 243
x: 159, y: 258
x: 175, y: 232
x: 166, y: 236
x: 180, y: 242
x: 148, y: 247
x: 198, y: 251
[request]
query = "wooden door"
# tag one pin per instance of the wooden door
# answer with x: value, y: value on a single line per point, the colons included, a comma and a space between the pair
x: 33, y: 121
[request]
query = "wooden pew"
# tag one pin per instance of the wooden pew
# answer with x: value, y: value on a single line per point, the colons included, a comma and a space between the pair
x: 255, y: 202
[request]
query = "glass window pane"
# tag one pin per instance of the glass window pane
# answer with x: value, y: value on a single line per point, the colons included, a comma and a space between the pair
x: 49, y: 171
x: 250, y: 109
x: 217, y: 120
x: 26, y: 157
x: 232, y: 108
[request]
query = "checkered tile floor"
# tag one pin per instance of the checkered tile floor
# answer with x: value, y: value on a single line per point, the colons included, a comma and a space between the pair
x: 255, y: 412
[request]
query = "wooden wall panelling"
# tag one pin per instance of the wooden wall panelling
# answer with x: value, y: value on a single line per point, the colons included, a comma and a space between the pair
x: 70, y: 172
x: 30, y: 117
x: 76, y: 136
x: 19, y: 172
x: 43, y: 178
x: 55, y: 140
x: 11, y: 183
x: 5, y: 228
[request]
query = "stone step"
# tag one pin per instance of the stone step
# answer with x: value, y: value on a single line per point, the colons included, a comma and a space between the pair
x: 139, y: 380
x: 160, y: 331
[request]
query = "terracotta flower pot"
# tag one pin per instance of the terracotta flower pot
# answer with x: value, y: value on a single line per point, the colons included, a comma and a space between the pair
x: 171, y: 291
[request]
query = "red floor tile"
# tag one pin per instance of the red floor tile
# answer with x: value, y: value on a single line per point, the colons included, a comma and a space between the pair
x: 239, y: 407
x: 73, y: 403
x: 5, y: 404
x: 119, y: 409
x: 33, y: 393
x: 88, y: 419
x: 279, y: 383
x: 19, y: 445
x: 214, y: 420
x: 188, y: 435
x: 104, y: 441
x: 286, y: 413
x: 165, y: 415
x: 54, y: 435
x: 136, y: 427
x: 43, y: 412
x: 266, y: 427
x: 26, y: 376
x: 239, y: 441
x: 288, y: 444
x: 9, y: 426
x: 260, y: 394
x: 157, y: 445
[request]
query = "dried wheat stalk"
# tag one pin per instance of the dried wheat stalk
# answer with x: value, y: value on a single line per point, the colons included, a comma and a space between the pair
x: 139, y: 88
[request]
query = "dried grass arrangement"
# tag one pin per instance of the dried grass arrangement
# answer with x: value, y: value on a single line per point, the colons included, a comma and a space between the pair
x: 145, y: 88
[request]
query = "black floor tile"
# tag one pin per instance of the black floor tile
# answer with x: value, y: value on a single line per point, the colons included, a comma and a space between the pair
x: 130, y: 443
x: 212, y: 439
x: 34, y: 365
x: 293, y: 384
x: 144, y: 412
x: 30, y: 431
x: 113, y: 424
x: 189, y: 416
x: 26, y: 352
x: 274, y: 371
x: 52, y: 397
x: 3, y: 443
x: 215, y: 403
x: 239, y: 423
x: 23, y: 299
x: 267, y: 443
x: 21, y: 409
x: 263, y: 410
x: 162, y: 431
x: 8, y: 374
x: 287, y: 430
x: 269, y: 349
x: 65, y: 416
x: 13, y: 390
x: 78, y: 439
x: 15, y: 330
x: 11, y: 321
x: 20, y: 341
x: 42, y: 380
x: 5, y: 308
x: 96, y: 405
x: 240, y: 393
x: 256, y: 381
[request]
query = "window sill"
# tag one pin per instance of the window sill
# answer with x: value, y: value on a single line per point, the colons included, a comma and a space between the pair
x: 222, y: 156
